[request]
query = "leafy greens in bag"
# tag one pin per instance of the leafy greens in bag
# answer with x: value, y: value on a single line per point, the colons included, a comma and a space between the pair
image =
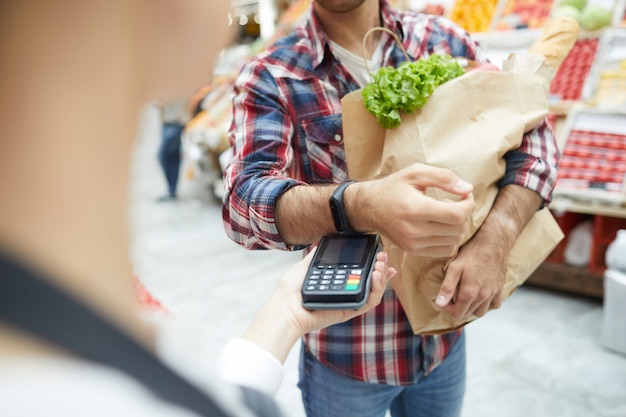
x: 408, y: 87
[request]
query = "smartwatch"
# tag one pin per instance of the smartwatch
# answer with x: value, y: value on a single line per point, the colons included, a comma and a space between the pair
x: 338, y: 210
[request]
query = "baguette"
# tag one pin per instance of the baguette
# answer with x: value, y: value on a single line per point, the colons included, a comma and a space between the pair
x: 557, y: 40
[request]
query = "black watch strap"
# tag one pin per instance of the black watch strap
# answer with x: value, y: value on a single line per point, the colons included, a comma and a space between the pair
x: 338, y: 209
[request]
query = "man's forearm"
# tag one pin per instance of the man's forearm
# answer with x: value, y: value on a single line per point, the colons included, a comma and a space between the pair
x: 303, y: 214
x: 395, y: 206
x: 513, y: 208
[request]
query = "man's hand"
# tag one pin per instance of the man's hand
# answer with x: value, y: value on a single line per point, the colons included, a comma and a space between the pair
x: 475, y: 278
x: 397, y: 206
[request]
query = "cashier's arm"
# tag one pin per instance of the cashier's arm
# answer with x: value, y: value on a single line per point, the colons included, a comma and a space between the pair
x: 474, y: 280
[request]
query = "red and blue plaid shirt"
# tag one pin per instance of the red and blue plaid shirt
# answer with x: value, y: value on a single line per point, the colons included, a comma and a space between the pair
x: 287, y: 131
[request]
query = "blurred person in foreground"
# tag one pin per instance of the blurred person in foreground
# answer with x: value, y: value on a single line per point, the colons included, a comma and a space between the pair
x: 289, y: 159
x: 74, y: 76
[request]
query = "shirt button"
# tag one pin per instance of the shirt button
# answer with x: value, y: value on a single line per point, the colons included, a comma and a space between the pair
x: 337, y: 138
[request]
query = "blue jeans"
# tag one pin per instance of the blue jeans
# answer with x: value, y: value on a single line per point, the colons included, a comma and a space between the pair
x: 169, y: 155
x: 326, y: 393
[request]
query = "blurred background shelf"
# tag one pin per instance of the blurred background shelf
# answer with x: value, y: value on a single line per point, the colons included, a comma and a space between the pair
x: 567, y: 278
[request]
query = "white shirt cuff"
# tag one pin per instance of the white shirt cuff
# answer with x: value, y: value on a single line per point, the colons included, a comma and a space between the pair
x: 243, y: 363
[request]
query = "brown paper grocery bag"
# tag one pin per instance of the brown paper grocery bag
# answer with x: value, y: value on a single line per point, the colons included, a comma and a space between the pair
x: 467, y: 125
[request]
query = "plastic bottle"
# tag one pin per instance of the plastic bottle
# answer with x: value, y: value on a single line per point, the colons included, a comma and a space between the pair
x: 615, y: 257
x: 578, y: 249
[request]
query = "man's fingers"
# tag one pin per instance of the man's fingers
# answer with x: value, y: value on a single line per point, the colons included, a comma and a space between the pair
x: 496, y: 301
x: 425, y: 176
x: 488, y: 299
x: 481, y: 309
x: 448, y: 212
x: 448, y: 287
x: 439, y: 230
x: 441, y: 251
x: 473, y: 301
x: 468, y: 295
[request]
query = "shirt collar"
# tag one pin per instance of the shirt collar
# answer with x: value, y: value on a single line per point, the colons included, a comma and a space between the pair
x: 320, y: 42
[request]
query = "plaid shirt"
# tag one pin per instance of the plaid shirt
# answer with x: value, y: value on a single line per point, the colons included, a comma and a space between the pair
x: 287, y: 131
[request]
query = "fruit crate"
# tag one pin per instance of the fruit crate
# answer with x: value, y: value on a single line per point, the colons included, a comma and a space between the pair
x: 592, y: 167
x: 483, y: 16
x: 475, y: 16
x: 522, y: 14
x: 573, y: 73
x: 534, y: 14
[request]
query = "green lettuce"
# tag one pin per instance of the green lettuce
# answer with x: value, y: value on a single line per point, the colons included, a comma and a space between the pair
x: 408, y: 87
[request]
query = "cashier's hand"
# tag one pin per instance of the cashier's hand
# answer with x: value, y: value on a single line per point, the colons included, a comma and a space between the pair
x: 397, y: 207
x: 282, y: 320
x: 475, y: 278
x: 306, y: 320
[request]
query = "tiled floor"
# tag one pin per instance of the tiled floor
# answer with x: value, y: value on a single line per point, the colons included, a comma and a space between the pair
x: 538, y: 356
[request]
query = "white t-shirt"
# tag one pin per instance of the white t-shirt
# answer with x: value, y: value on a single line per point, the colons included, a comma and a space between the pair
x: 356, y: 64
x: 51, y: 387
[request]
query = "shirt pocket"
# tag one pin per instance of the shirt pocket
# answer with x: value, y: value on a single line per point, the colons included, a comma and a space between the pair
x: 325, y: 157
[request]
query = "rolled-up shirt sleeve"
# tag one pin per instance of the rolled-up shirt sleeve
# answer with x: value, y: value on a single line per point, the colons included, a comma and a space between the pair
x: 262, y: 155
x: 534, y: 164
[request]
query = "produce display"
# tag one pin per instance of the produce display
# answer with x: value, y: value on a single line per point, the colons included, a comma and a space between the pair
x: 523, y: 14
x: 590, y: 16
x: 473, y: 15
x: 594, y: 17
x: 593, y: 160
x: 611, y: 89
x: 570, y: 79
x: 483, y: 15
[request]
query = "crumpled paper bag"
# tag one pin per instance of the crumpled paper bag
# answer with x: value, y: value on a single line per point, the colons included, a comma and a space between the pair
x: 467, y: 125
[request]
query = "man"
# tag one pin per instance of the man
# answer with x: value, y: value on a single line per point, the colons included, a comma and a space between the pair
x: 288, y: 158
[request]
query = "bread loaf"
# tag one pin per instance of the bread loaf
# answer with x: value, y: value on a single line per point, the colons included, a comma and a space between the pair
x: 557, y: 40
